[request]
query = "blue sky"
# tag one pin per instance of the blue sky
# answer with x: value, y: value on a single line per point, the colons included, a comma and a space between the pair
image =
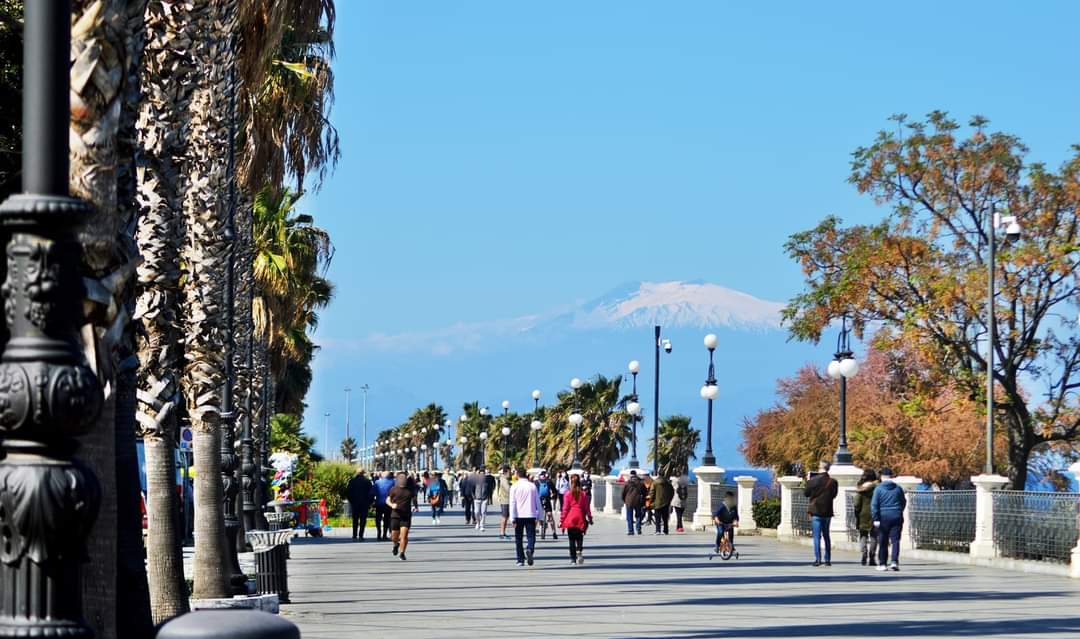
x: 506, y: 158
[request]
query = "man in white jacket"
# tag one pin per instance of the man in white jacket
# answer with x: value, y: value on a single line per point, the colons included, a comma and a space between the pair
x: 524, y: 511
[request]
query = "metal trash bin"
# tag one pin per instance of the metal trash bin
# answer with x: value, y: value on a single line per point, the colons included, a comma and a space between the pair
x: 279, y: 521
x: 271, y: 562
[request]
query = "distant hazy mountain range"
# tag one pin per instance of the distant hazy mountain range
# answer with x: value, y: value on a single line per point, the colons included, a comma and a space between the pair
x: 505, y: 358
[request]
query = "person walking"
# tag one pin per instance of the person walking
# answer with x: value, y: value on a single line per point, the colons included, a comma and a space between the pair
x: 360, y: 493
x: 678, y: 501
x: 821, y: 490
x: 864, y: 518
x: 382, y: 511
x: 400, y: 501
x: 887, y: 509
x: 465, y: 487
x: 647, y: 507
x: 547, y: 491
x: 524, y: 508
x: 575, y: 518
x: 483, y: 486
x: 436, y: 497
x: 633, y: 496
x: 451, y: 487
x: 502, y: 498
x: 660, y: 495
x: 586, y: 483
x: 562, y: 485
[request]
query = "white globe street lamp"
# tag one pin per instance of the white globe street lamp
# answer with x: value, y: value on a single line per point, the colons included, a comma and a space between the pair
x: 841, y: 368
x: 709, y: 392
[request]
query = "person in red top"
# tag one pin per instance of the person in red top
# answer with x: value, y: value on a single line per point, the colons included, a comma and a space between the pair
x: 576, y: 518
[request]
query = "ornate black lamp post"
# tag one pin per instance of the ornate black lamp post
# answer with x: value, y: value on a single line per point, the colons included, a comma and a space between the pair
x: 666, y: 345
x: 506, y: 431
x: 841, y: 368
x: 575, y: 421
x: 634, y: 408
x: 709, y: 393
x: 48, y: 393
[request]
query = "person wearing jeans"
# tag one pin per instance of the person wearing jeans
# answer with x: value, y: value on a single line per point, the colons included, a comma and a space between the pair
x: 887, y: 509
x: 524, y: 510
x: 633, y: 496
x: 821, y: 490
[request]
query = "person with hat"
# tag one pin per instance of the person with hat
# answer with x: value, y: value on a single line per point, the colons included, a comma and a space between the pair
x: 547, y: 490
x: 436, y: 497
x: 821, y: 491
x: 502, y: 498
x: 887, y: 510
x: 633, y: 497
x: 360, y: 494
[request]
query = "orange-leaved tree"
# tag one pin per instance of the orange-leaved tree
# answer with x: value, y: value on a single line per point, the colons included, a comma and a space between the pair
x: 922, y: 271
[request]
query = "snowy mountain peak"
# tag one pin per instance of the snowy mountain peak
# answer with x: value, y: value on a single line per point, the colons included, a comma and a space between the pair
x: 678, y: 304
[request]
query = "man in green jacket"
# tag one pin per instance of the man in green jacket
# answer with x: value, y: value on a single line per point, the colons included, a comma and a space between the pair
x: 660, y: 495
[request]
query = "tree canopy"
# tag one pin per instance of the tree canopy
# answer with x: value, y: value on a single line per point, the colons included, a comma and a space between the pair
x: 922, y: 271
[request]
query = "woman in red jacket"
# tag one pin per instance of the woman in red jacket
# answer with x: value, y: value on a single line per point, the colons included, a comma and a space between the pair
x: 575, y: 519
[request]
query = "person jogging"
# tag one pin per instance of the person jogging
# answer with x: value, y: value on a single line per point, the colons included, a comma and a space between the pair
x: 382, y: 512
x: 575, y: 519
x: 400, y: 502
x: 547, y: 490
x: 524, y: 510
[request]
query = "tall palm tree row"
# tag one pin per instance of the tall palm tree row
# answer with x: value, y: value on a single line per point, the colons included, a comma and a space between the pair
x: 167, y: 85
x: 677, y: 444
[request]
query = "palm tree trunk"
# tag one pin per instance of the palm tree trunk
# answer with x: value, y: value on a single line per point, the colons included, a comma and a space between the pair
x: 205, y: 253
x: 161, y: 146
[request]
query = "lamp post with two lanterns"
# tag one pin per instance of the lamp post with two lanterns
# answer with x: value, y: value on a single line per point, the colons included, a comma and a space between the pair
x: 709, y: 393
x: 634, y: 408
x: 841, y: 368
x: 536, y: 425
x: 506, y: 431
x: 575, y: 420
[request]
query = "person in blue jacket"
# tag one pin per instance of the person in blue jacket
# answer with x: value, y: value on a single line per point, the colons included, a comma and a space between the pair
x: 887, y: 510
x: 382, y: 511
x: 436, y: 496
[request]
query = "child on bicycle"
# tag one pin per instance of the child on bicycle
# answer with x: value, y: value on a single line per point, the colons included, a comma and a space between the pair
x: 726, y: 518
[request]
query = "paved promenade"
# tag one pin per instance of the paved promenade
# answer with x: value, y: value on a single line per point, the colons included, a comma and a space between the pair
x: 457, y: 583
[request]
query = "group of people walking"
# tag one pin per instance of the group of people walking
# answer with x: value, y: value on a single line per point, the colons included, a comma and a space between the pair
x: 879, y: 513
x: 651, y: 500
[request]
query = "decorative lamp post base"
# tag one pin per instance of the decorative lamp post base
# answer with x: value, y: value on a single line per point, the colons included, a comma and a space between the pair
x: 847, y: 477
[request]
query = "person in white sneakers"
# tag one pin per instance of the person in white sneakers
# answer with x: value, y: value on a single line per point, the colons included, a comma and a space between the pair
x: 887, y: 509
x: 524, y: 510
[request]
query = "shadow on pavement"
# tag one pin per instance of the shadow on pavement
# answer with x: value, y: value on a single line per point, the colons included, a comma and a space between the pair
x: 946, y: 628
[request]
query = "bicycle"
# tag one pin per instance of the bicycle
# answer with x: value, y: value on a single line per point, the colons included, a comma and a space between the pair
x: 726, y: 550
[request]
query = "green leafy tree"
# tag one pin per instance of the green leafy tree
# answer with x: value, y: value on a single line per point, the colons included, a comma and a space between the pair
x: 327, y: 480
x: 605, y: 430
x: 677, y: 444
x: 348, y: 449
x: 921, y: 272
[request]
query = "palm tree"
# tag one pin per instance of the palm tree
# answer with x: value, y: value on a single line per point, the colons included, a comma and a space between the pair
x: 205, y: 252
x: 473, y: 452
x: 348, y: 449
x: 605, y: 431
x: 159, y: 234
x: 102, y: 55
x: 677, y: 444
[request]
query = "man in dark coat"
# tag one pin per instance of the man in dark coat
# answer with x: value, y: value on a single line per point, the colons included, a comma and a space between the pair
x: 360, y: 494
x: 633, y: 496
x: 821, y: 490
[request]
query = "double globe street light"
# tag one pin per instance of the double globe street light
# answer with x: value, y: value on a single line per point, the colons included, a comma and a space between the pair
x: 709, y: 392
x: 536, y: 425
x: 841, y: 368
x: 634, y: 408
x: 575, y: 420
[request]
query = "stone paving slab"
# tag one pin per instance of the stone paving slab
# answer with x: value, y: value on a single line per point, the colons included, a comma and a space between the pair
x: 458, y: 583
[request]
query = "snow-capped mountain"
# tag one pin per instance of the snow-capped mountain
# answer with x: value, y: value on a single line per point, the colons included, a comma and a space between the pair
x: 677, y: 304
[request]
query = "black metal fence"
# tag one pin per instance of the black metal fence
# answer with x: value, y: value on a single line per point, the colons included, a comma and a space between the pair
x: 800, y: 514
x: 1035, y: 526
x: 942, y: 520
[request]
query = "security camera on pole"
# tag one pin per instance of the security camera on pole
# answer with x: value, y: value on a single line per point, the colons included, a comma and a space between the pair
x: 708, y: 475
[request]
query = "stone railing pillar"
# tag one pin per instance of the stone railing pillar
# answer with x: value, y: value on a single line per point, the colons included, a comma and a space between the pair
x: 847, y: 477
x: 788, y: 485
x: 609, y: 495
x: 747, y: 524
x: 985, y: 485
x: 707, y: 479
x: 908, y: 484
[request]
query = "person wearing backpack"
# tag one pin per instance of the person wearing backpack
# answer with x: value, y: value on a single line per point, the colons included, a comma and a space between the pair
x: 547, y: 490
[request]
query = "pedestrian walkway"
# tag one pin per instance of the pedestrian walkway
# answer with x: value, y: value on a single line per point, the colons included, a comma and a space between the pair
x: 458, y: 583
